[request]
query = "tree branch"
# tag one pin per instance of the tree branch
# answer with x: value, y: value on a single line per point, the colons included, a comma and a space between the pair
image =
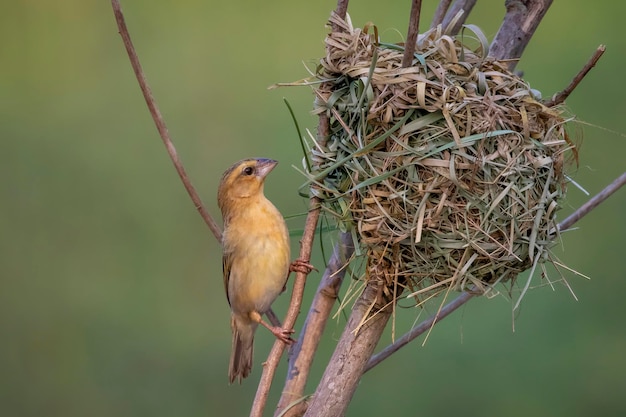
x: 270, y: 365
x: 160, y: 123
x: 365, y: 326
x: 442, y: 8
x: 303, y: 352
x: 563, y: 95
x: 520, y: 22
x: 466, y: 6
x: 341, y: 11
x: 595, y: 201
x: 419, y: 330
x: 307, y: 239
x: 411, y: 37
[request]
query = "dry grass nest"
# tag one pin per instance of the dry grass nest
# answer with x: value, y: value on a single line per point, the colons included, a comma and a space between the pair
x: 449, y: 172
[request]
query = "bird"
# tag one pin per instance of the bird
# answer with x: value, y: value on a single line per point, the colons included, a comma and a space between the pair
x: 256, y: 257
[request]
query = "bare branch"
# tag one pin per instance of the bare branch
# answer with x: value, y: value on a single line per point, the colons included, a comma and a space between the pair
x: 160, y: 123
x: 520, y: 22
x: 442, y: 7
x: 595, y: 201
x: 366, y: 324
x: 303, y: 352
x: 419, y: 329
x: 273, y: 359
x: 411, y: 38
x: 563, y: 95
x: 466, y: 6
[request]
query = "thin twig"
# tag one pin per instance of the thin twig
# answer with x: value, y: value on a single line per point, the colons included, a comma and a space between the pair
x: 418, y: 330
x: 269, y: 368
x: 442, y: 8
x: 303, y: 352
x: 563, y: 95
x: 323, y: 132
x: 411, y: 37
x: 466, y: 296
x: 160, y: 123
x: 593, y: 202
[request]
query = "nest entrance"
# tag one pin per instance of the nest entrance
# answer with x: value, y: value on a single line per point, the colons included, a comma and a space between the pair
x: 450, y: 171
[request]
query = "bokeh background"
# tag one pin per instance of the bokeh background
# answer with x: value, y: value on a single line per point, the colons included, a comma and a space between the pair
x: 111, y: 297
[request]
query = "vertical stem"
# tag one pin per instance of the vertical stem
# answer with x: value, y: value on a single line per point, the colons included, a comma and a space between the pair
x: 411, y: 38
x: 302, y: 354
x: 269, y: 368
x: 341, y: 11
x: 442, y: 8
x: 520, y: 22
x: 355, y: 348
x: 466, y: 6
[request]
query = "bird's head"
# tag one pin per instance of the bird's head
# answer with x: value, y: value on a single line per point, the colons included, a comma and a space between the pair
x: 243, y: 180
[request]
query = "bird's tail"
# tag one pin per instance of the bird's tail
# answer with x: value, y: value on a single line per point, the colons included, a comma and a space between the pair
x: 242, y: 349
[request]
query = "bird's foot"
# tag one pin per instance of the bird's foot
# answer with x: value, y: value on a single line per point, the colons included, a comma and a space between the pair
x: 301, y: 266
x: 284, y: 335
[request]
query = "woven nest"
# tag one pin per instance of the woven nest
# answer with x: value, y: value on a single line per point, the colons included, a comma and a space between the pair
x: 449, y: 171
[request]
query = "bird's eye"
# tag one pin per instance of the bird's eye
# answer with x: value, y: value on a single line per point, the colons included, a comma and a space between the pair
x: 248, y: 171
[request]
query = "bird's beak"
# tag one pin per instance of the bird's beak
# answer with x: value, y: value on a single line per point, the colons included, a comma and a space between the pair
x: 265, y: 166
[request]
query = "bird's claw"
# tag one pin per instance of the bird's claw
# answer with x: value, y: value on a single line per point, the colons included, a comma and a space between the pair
x: 301, y: 266
x: 284, y: 335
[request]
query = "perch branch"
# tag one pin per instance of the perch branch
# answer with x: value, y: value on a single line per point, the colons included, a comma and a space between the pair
x: 466, y: 6
x: 269, y: 368
x: 303, y: 352
x: 563, y: 95
x: 442, y: 8
x: 368, y: 320
x: 466, y: 296
x: 159, y: 122
x: 520, y: 22
x: 411, y: 38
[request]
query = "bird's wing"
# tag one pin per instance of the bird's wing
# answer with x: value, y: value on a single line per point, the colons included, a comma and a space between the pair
x: 226, y: 263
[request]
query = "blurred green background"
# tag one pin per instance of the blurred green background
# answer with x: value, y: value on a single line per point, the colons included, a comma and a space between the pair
x: 112, y: 299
